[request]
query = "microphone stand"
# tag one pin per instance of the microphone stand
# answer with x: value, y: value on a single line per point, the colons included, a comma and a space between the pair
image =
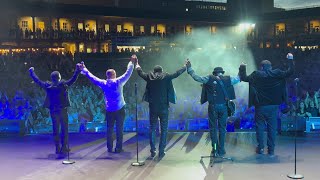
x: 138, y: 163
x: 295, y: 175
x: 67, y: 162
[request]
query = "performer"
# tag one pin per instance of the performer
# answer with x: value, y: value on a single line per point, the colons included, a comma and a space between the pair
x: 57, y: 101
x: 215, y: 88
x: 159, y: 92
x: 112, y: 88
x: 267, y: 90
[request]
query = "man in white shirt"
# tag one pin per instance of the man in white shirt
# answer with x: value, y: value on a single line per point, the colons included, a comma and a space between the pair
x: 112, y: 88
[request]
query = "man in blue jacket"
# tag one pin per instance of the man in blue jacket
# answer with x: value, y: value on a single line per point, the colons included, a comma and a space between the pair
x: 267, y: 91
x: 217, y: 89
x: 57, y: 101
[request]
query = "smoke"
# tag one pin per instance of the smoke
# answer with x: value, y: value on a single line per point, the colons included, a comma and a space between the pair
x: 225, y: 48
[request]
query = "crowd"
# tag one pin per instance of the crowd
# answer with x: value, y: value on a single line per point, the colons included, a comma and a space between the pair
x: 73, y: 34
x: 21, y: 99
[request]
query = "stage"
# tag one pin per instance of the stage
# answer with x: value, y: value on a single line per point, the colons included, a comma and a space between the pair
x: 31, y: 157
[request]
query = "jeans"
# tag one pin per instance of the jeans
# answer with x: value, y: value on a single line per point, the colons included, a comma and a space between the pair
x: 266, y: 115
x: 59, y: 117
x: 162, y: 114
x: 118, y: 118
x: 218, y: 114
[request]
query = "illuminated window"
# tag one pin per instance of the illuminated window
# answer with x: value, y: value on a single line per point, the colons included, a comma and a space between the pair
x: 80, y: 26
x: 213, y: 29
x: 280, y: 28
x: 24, y: 24
x: 55, y: 25
x: 65, y: 26
x: 119, y: 28
x: 41, y: 25
x: 107, y: 27
x: 141, y: 29
x: 152, y: 29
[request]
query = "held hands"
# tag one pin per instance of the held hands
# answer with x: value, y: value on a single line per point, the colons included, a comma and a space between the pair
x: 134, y: 59
x: 290, y: 56
x: 31, y: 69
x: 82, y: 68
x: 243, y: 65
x: 188, y: 63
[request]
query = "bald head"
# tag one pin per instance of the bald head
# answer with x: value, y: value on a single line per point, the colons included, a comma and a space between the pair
x: 55, y: 76
x: 111, y: 74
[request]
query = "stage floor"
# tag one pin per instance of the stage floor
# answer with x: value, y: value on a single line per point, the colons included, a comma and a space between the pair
x: 31, y: 157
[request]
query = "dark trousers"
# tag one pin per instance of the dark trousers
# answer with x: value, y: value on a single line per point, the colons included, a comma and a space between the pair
x: 218, y: 115
x: 162, y: 114
x: 266, y: 115
x: 111, y: 118
x: 59, y: 119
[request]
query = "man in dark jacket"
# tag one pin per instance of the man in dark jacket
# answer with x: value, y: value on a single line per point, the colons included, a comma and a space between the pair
x: 57, y: 101
x: 267, y: 91
x: 159, y: 92
x: 217, y: 89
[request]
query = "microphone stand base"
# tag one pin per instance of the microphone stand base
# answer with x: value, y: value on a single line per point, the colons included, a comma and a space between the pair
x: 68, y: 162
x: 295, y: 176
x: 139, y: 163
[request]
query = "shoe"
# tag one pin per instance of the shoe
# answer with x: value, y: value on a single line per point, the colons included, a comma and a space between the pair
x: 118, y: 150
x: 161, y: 155
x: 259, y: 150
x: 214, y: 154
x: 271, y: 153
x: 153, y: 153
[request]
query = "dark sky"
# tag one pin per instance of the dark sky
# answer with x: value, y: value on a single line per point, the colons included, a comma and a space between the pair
x: 286, y: 4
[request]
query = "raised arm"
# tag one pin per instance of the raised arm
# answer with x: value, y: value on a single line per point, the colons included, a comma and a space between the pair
x: 95, y: 80
x: 201, y: 79
x: 235, y: 80
x: 177, y: 73
x: 243, y: 73
x: 125, y: 77
x: 141, y: 73
x: 288, y: 72
x: 74, y: 77
x: 36, y: 79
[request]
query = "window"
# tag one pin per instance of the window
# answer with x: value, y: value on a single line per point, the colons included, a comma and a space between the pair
x: 24, y: 24
x: 141, y: 29
x: 107, y: 27
x: 41, y: 25
x: 119, y: 28
x: 55, y: 25
x: 65, y: 26
x: 80, y: 26
x: 152, y: 29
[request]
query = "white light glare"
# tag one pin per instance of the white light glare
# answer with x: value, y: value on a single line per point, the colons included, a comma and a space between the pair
x: 246, y: 26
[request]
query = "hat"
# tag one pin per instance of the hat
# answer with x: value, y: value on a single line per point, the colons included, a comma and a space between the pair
x: 217, y: 70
